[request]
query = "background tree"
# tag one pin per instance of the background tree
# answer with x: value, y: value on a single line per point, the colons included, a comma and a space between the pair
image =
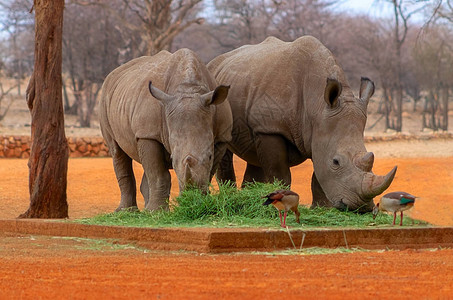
x: 17, y: 48
x: 434, y: 57
x: 240, y: 22
x: 92, y: 47
x: 401, y: 18
x: 5, y: 94
x: 149, y: 26
x: 102, y: 34
x: 48, y: 161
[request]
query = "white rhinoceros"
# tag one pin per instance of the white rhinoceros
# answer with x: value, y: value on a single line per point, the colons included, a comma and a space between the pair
x: 164, y: 111
x: 292, y: 102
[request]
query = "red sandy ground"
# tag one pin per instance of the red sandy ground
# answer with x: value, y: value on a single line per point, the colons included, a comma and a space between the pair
x: 35, y: 267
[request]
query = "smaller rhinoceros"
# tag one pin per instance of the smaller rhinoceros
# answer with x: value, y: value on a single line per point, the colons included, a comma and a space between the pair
x: 164, y: 111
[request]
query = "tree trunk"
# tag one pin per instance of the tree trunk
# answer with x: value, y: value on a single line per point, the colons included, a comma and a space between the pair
x: 444, y: 125
x: 424, y: 113
x: 399, y: 109
x: 388, y: 107
x: 48, y: 163
x: 66, y: 105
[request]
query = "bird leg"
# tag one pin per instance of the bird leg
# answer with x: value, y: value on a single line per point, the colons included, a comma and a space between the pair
x: 394, y: 217
x: 280, y: 215
x: 401, y: 221
x: 284, y: 218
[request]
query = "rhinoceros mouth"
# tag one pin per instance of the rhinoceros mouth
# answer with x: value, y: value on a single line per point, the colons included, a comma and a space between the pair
x: 360, y: 205
x: 340, y: 205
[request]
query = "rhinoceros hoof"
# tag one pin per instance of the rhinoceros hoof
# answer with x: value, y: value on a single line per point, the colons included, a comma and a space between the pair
x: 129, y: 209
x: 156, y: 208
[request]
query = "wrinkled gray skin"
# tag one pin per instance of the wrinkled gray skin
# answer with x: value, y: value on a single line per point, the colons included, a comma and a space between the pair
x: 179, y: 121
x: 292, y: 102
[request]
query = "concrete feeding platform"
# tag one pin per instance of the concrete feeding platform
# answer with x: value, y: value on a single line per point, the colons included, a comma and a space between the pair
x: 219, y: 240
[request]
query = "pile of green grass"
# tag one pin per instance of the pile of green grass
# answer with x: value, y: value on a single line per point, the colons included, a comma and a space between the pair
x: 230, y: 207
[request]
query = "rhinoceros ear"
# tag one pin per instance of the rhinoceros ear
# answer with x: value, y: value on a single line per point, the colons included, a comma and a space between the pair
x: 217, y: 96
x: 332, y: 92
x: 158, y: 94
x: 366, y: 89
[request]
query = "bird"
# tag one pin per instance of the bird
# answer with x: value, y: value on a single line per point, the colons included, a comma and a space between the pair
x: 394, y: 202
x: 284, y: 200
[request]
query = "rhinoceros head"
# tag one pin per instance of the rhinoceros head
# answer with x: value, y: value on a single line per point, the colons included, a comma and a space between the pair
x: 190, y: 124
x: 342, y: 166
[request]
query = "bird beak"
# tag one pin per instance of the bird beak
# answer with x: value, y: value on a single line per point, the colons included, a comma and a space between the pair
x: 268, y: 201
x: 375, y: 212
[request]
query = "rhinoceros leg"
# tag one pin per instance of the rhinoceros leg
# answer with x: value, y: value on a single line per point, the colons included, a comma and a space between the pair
x: 319, y: 197
x: 122, y: 165
x: 273, y: 156
x: 225, y: 171
x: 152, y: 157
x: 253, y: 173
x: 144, y: 189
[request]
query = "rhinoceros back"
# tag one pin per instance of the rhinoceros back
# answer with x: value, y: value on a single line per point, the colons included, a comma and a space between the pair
x: 127, y: 110
x: 276, y: 87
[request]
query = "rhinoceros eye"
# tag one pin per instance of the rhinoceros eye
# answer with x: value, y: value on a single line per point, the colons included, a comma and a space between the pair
x: 336, y: 163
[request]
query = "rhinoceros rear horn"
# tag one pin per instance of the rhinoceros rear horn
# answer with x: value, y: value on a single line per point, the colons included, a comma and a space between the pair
x: 373, y: 185
x: 158, y: 94
x: 366, y: 89
x: 332, y: 92
x: 365, y: 162
x: 217, y: 96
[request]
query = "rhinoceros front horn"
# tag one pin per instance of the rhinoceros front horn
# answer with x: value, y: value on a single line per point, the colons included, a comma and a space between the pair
x: 373, y: 185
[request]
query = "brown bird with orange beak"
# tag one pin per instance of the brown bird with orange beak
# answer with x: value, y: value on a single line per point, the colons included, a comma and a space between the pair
x: 394, y: 202
x: 284, y: 200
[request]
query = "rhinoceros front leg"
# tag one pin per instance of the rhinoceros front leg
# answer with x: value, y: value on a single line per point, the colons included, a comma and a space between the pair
x: 273, y: 156
x: 152, y: 157
x: 253, y: 174
x: 144, y: 188
x: 225, y: 170
x: 122, y: 165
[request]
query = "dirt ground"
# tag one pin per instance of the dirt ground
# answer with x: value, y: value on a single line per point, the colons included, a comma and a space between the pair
x: 44, y: 267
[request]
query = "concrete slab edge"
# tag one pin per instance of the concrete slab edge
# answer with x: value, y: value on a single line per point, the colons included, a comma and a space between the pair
x: 218, y: 240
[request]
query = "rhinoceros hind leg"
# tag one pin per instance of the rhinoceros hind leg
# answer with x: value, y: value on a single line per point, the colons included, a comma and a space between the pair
x: 273, y: 157
x: 152, y: 157
x: 122, y: 165
x: 253, y: 173
x: 319, y: 197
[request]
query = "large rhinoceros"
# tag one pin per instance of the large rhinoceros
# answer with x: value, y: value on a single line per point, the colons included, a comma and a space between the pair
x: 292, y: 102
x: 164, y: 111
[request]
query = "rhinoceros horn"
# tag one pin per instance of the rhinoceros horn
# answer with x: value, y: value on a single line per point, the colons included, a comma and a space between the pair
x: 365, y: 162
x: 373, y: 185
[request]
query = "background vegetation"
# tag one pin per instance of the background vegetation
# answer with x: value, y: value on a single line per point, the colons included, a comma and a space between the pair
x: 407, y: 52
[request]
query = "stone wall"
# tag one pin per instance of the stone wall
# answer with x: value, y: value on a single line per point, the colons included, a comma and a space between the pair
x: 19, y: 146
